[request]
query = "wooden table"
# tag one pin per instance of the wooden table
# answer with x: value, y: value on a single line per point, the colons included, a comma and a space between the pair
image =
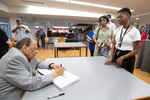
x: 69, y: 45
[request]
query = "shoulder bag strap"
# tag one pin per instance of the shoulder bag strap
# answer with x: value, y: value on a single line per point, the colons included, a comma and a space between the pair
x: 98, y: 32
x: 110, y: 36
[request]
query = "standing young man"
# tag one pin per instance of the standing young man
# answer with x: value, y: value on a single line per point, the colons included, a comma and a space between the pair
x: 111, y: 24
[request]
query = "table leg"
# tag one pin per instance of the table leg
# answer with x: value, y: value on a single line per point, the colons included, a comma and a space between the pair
x: 55, y: 52
x: 86, y: 52
x: 80, y: 52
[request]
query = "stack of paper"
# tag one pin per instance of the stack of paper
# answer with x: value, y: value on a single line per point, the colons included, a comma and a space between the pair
x: 63, y: 81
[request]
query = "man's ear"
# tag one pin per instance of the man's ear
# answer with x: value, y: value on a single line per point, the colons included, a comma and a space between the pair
x: 24, y: 48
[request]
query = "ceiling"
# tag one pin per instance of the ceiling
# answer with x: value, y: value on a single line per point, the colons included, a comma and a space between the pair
x: 140, y: 7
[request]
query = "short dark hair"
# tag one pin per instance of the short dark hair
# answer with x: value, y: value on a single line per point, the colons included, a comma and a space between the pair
x: 96, y: 23
x: 105, y: 17
x: 142, y: 27
x: 24, y: 41
x: 127, y: 10
x: 109, y: 16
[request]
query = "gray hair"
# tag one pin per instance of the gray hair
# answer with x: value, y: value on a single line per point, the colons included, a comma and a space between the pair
x: 24, y: 41
x: 96, y: 23
x: 18, y: 19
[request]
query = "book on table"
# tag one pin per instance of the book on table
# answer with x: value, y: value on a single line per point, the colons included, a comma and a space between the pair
x: 103, y: 50
x: 63, y: 81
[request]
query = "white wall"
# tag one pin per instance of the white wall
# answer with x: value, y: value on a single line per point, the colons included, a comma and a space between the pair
x: 3, y: 7
x: 31, y: 26
x: 12, y: 23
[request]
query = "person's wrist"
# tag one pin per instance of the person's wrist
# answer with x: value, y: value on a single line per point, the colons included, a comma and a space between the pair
x: 54, y: 74
x: 122, y: 57
x: 51, y: 65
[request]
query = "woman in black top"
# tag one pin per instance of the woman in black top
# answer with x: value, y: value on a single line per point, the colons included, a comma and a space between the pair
x: 70, y: 30
x: 4, y: 42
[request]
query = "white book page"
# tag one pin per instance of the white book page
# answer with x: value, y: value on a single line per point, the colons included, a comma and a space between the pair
x: 61, y: 81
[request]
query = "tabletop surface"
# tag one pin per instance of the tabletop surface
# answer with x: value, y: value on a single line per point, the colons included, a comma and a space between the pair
x: 97, y: 82
x: 70, y: 44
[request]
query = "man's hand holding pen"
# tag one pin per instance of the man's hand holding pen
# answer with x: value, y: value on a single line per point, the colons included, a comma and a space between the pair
x: 59, y: 70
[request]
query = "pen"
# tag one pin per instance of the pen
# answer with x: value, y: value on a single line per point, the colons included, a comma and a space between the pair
x: 56, y: 96
x: 60, y: 65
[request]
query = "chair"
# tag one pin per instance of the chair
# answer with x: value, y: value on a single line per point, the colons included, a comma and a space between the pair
x: 12, y: 44
x: 14, y: 39
x: 51, y: 43
x: 36, y: 38
x: 46, y: 39
x: 61, y: 40
x: 72, y: 40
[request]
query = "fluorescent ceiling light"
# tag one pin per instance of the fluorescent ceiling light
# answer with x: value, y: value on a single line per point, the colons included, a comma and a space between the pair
x: 90, y: 4
x: 62, y: 0
x: 81, y: 3
x: 137, y: 18
x: 54, y: 11
x: 107, y: 7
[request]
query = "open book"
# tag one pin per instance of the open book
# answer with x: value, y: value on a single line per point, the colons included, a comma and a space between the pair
x: 63, y: 81
x: 103, y: 50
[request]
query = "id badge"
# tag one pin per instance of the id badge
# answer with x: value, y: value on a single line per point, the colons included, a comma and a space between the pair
x: 118, y: 53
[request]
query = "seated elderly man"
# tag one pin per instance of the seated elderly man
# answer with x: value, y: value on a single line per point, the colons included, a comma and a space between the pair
x: 18, y: 67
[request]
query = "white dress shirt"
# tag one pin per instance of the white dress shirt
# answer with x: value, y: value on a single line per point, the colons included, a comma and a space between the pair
x: 20, y: 33
x: 111, y: 25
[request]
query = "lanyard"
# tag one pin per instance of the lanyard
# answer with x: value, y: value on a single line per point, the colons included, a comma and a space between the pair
x: 123, y: 35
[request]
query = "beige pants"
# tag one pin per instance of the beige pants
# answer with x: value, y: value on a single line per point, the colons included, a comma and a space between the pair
x: 95, y: 51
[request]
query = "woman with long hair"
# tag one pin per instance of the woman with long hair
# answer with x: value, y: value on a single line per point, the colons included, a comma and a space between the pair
x: 91, y: 33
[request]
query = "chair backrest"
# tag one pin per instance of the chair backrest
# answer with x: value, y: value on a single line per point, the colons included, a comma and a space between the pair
x: 142, y: 98
x: 46, y: 39
x: 36, y: 38
x: 13, y: 38
x: 61, y: 40
x: 12, y: 44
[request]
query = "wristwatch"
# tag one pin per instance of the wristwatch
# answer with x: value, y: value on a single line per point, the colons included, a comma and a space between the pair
x: 50, y: 65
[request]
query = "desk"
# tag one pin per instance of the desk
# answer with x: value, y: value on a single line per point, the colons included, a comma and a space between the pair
x: 97, y: 82
x: 69, y: 45
x: 143, y: 59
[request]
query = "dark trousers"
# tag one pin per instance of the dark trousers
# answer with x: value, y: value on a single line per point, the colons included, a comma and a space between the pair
x: 127, y: 64
x: 2, y: 53
x: 92, y: 52
x: 43, y: 40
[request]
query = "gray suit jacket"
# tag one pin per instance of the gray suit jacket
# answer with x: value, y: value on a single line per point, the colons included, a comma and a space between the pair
x: 17, y: 75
